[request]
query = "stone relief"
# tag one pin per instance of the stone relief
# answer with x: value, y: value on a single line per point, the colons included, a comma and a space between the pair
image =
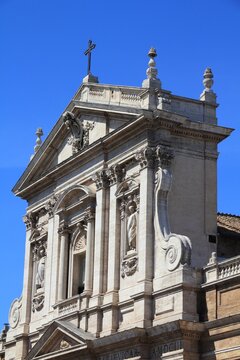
x: 129, y: 266
x: 80, y: 243
x: 38, y: 302
x: 177, y: 247
x: 79, y: 131
x: 15, y: 312
x: 64, y: 344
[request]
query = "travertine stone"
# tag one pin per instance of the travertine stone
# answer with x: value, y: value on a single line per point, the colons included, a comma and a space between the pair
x: 110, y: 282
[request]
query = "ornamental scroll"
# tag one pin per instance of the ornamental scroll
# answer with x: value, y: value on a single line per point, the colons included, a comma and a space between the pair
x: 177, y: 247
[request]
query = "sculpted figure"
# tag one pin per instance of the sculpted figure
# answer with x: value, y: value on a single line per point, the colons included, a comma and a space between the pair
x: 40, y: 270
x: 132, y: 227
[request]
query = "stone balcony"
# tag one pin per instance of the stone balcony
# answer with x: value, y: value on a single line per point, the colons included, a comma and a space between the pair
x: 222, y: 270
x: 221, y: 289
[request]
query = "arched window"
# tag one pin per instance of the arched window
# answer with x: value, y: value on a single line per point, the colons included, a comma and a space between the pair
x: 78, y: 261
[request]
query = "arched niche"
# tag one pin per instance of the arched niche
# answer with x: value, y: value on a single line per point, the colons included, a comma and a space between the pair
x: 127, y: 195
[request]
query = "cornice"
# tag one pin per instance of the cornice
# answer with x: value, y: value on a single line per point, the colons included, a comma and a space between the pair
x: 147, y: 121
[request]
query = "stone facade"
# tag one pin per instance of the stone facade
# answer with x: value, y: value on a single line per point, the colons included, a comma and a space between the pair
x: 121, y: 210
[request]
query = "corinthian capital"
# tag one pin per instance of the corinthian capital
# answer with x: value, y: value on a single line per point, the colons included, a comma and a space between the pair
x: 146, y: 157
x: 101, y: 179
x: 115, y: 173
x: 89, y: 214
x: 30, y: 220
x: 164, y: 155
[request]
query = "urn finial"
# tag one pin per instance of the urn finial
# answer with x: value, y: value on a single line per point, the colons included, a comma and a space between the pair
x: 39, y: 133
x: 152, y: 81
x: 208, y: 79
x: 208, y: 95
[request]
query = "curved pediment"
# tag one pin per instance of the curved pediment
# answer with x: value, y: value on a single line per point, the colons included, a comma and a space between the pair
x: 127, y: 186
x: 72, y: 197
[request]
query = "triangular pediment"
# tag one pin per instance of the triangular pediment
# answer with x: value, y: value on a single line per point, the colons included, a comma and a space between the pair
x: 59, y: 338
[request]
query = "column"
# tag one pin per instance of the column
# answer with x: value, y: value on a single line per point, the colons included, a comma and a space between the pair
x: 63, y: 261
x: 100, y: 265
x: 90, y: 218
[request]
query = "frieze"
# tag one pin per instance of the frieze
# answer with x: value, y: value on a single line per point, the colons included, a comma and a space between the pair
x: 158, y: 350
x: 121, y: 355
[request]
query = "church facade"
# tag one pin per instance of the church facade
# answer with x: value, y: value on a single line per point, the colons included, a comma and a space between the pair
x: 120, y: 259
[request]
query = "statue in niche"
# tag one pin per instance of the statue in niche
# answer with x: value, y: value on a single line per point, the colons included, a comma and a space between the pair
x: 132, y: 225
x: 40, y: 274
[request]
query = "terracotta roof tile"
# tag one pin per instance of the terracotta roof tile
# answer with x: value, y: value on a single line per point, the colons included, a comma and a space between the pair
x: 229, y: 221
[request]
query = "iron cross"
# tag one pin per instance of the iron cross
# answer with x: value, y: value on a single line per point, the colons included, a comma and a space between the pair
x: 91, y: 46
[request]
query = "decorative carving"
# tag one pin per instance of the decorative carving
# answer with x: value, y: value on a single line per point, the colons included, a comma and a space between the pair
x: 79, y: 138
x: 38, y: 302
x: 64, y: 345
x: 146, y: 157
x: 101, y: 179
x: 14, y: 313
x: 208, y: 80
x: 63, y: 228
x: 130, y: 97
x: 89, y: 214
x: 50, y: 204
x: 164, y: 155
x: 116, y: 173
x: 67, y: 308
x: 177, y: 247
x: 30, y: 220
x: 129, y: 266
x: 80, y: 244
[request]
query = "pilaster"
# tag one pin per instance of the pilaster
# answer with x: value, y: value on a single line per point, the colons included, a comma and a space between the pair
x: 142, y: 296
x: 110, y: 309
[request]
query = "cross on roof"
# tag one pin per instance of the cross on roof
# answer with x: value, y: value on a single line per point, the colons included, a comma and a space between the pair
x: 91, y: 46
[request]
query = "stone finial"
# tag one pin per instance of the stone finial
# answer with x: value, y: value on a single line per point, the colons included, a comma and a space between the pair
x: 39, y: 133
x: 152, y: 81
x: 208, y: 95
x: 208, y: 79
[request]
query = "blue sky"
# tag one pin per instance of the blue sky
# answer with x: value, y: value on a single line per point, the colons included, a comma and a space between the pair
x: 42, y: 65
